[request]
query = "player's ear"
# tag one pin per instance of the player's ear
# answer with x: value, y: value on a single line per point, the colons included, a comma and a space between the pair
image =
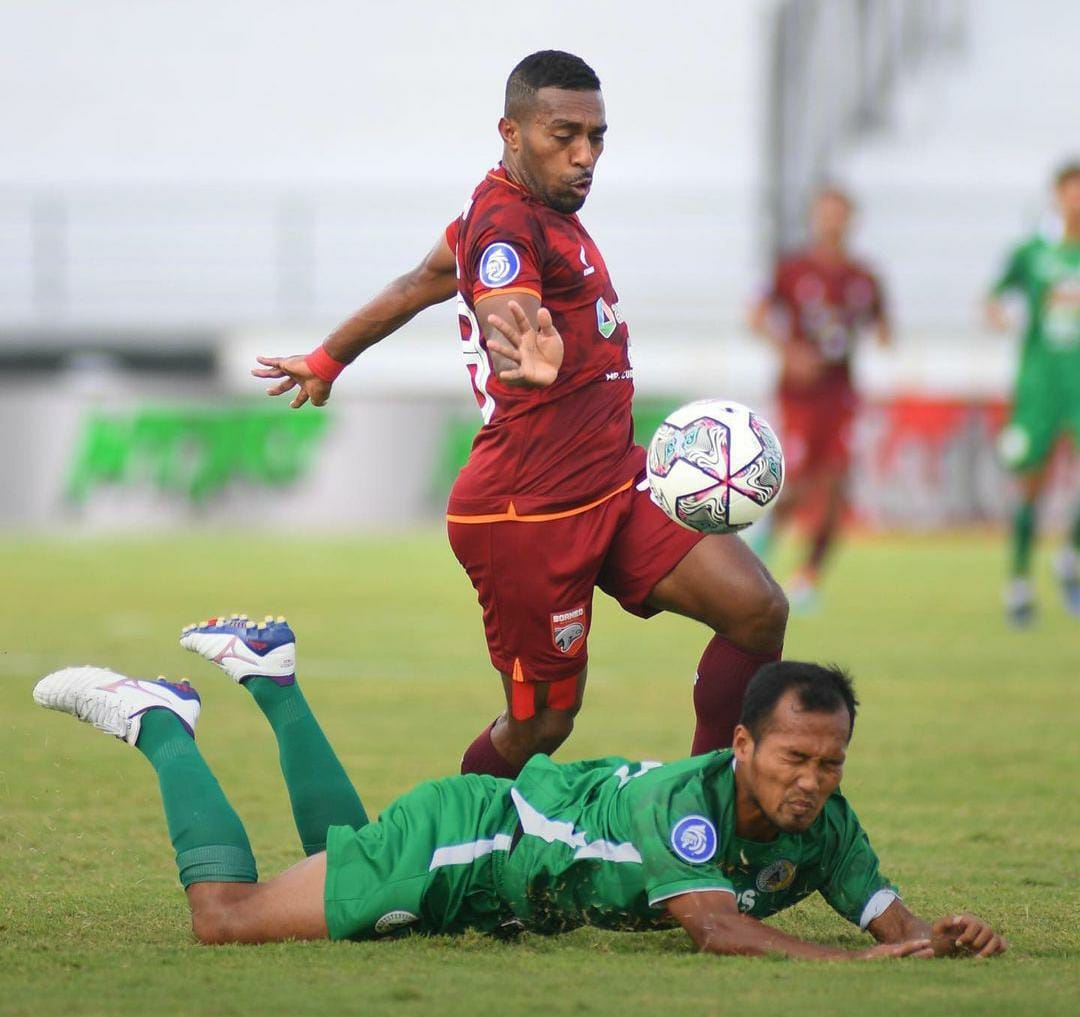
x: 742, y: 743
x: 510, y: 133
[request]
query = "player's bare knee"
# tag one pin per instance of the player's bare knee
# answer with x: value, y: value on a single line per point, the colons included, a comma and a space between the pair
x: 762, y: 617
x: 212, y: 925
x: 553, y: 728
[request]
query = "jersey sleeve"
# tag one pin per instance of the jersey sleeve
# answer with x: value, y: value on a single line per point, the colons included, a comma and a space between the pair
x: 452, y: 232
x: 505, y: 253
x: 677, y: 842
x: 1013, y: 273
x: 854, y: 885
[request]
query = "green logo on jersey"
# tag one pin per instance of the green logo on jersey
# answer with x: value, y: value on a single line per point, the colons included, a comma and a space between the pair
x: 607, y: 318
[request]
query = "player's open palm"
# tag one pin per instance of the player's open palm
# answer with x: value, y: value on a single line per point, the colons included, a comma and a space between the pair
x: 534, y: 354
x: 293, y: 372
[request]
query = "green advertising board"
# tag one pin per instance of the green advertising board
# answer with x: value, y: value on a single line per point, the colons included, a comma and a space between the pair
x: 194, y: 451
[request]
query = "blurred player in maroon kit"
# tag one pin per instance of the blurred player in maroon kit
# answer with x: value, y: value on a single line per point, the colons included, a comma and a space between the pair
x: 552, y: 502
x: 820, y: 301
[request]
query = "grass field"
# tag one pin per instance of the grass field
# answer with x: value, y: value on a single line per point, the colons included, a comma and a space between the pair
x: 965, y: 770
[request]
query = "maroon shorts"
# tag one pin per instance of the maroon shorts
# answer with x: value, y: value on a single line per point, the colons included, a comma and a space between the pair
x: 816, y: 434
x: 534, y: 577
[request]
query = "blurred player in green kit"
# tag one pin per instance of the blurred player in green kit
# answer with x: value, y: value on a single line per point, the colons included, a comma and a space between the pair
x: 1045, y: 270
x: 713, y: 843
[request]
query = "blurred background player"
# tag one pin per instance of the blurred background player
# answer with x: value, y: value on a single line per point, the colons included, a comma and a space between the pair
x: 819, y: 302
x: 1045, y: 269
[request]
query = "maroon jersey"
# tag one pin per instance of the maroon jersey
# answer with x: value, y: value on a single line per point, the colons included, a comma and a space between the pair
x: 542, y: 450
x: 826, y: 305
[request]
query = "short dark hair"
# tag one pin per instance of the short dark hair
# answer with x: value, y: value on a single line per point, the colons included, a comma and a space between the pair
x: 820, y: 690
x: 549, y: 68
x: 1067, y: 172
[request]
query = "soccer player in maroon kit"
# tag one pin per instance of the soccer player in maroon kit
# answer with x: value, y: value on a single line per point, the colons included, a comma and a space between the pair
x: 819, y: 302
x: 552, y: 501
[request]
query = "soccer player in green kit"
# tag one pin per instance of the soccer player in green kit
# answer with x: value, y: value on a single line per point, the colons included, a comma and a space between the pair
x: 1046, y: 271
x: 712, y: 843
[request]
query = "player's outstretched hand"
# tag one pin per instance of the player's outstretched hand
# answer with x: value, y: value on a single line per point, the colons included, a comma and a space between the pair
x: 920, y: 948
x: 536, y: 354
x: 294, y: 372
x: 966, y: 935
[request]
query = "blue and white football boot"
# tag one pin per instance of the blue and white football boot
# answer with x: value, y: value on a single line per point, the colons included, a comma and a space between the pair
x: 114, y: 703
x: 245, y: 649
x: 1067, y: 572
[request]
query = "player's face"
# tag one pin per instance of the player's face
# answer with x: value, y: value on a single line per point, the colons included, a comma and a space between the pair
x: 555, y: 147
x: 791, y: 770
x: 1068, y: 197
x: 830, y: 218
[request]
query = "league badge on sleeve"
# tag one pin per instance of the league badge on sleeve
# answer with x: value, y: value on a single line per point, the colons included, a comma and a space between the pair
x: 693, y: 839
x: 499, y: 265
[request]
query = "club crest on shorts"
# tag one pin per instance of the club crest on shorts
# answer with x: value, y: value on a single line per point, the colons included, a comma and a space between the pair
x: 395, y: 920
x: 499, y: 265
x: 568, y: 629
x: 693, y: 839
x: 777, y: 876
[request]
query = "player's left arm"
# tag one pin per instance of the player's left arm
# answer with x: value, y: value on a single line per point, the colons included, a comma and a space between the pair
x: 950, y: 935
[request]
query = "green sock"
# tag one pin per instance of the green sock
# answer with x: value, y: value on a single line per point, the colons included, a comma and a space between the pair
x: 1023, y: 537
x: 319, y: 789
x: 209, y: 839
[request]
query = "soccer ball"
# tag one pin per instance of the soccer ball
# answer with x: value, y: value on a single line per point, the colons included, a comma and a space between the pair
x: 715, y: 466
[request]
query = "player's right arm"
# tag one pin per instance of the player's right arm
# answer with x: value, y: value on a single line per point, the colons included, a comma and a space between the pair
x: 433, y: 281
x: 714, y: 923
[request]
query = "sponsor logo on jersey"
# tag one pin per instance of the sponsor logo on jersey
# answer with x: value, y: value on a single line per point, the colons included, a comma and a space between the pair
x: 568, y: 629
x: 693, y: 839
x: 395, y: 920
x: 499, y: 265
x: 746, y: 901
x: 587, y: 268
x: 608, y: 317
x: 777, y: 876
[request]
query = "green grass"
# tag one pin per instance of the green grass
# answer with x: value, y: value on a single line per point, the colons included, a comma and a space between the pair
x: 965, y: 769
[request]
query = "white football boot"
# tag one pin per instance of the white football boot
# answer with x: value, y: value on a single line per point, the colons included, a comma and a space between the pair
x: 114, y: 703
x: 245, y: 649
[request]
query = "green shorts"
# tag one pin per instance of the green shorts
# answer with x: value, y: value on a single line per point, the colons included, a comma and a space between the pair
x: 1046, y: 403
x: 428, y: 864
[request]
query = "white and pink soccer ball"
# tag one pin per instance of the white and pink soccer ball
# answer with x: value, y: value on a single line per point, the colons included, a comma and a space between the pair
x: 715, y: 466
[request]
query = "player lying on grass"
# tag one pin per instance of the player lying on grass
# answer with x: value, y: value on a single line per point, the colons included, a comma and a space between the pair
x: 712, y: 843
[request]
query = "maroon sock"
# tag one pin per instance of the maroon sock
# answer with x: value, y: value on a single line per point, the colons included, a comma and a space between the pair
x: 821, y: 545
x: 723, y: 673
x: 483, y: 757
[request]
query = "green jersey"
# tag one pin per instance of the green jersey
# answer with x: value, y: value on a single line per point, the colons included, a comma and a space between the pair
x: 605, y: 842
x: 1047, y: 273
x: 602, y: 842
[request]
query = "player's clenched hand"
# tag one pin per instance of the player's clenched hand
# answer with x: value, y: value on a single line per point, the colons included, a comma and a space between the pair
x: 966, y: 934
x: 535, y: 354
x: 294, y: 372
x: 921, y: 948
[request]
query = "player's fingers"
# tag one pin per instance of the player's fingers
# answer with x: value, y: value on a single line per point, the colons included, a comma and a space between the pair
x: 504, y: 349
x: 982, y: 936
x: 520, y: 318
x: 268, y: 372
x: 996, y: 945
x: 505, y: 328
x: 282, y: 387
x: 543, y: 321
x: 511, y: 375
x: 301, y: 398
x: 270, y: 361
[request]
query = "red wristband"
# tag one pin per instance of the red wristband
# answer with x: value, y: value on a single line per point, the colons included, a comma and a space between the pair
x: 323, y: 365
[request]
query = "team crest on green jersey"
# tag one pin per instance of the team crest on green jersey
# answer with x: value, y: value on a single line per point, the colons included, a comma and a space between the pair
x: 776, y: 877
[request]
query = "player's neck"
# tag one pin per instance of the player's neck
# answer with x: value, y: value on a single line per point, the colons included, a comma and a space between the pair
x: 516, y: 175
x: 751, y: 823
x: 827, y: 253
